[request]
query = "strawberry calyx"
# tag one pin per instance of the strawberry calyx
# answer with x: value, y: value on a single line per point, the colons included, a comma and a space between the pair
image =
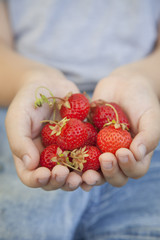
x: 116, y: 122
x: 96, y: 103
x: 62, y: 157
x: 51, y: 100
x: 58, y: 125
x: 78, y: 158
x: 93, y: 106
x: 64, y: 101
x: 43, y: 99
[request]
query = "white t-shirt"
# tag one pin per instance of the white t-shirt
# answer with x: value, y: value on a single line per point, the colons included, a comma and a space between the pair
x: 85, y: 39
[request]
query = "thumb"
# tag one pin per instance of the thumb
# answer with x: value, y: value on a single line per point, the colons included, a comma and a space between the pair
x: 20, y: 139
x: 148, y: 135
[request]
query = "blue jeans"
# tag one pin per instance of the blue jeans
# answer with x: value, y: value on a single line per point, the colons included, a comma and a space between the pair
x: 105, y: 213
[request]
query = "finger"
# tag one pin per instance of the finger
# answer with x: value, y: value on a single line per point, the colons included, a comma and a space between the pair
x: 58, y: 178
x: 90, y: 179
x: 20, y: 140
x: 73, y: 181
x: 130, y: 166
x: 86, y: 187
x: 32, y: 178
x: 93, y: 178
x: 23, y: 126
x: 148, y: 133
x: 111, y: 171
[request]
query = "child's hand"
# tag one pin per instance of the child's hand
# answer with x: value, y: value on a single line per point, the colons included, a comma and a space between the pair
x: 23, y: 128
x: 136, y: 96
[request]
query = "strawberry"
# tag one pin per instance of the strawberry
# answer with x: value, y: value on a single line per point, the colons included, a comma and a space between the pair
x: 53, y: 155
x: 47, y: 135
x: 86, y: 158
x: 73, y: 134
x: 46, y: 156
x: 110, y: 139
x: 92, y: 134
x: 103, y: 113
x: 75, y: 105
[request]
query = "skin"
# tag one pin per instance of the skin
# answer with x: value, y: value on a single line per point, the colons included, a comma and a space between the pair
x: 144, y: 117
x: 139, y: 80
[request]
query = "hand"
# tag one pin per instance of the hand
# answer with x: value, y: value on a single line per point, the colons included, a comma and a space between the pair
x: 23, y: 129
x: 136, y: 96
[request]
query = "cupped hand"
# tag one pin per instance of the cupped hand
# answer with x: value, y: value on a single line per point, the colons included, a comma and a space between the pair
x: 23, y: 126
x: 136, y: 96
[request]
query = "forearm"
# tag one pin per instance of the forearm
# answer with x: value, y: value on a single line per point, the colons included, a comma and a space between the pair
x: 14, y: 72
x: 148, y: 68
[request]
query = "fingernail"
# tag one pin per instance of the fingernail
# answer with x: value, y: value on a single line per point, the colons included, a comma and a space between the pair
x: 123, y: 159
x: 107, y: 165
x: 142, y: 149
x: 26, y: 159
x: 43, y: 180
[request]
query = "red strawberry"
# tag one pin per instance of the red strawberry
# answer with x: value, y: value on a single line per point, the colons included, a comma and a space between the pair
x: 92, y: 134
x: 110, y: 139
x: 48, y: 137
x: 75, y: 106
x: 104, y: 113
x: 46, y: 156
x: 53, y: 155
x: 86, y: 158
x: 51, y: 131
x: 73, y: 134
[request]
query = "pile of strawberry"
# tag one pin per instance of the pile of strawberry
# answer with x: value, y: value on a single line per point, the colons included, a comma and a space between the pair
x: 85, y: 131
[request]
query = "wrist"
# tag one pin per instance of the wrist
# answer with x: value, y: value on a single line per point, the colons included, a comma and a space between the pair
x: 122, y: 82
x: 139, y: 71
x: 17, y: 71
x: 47, y: 77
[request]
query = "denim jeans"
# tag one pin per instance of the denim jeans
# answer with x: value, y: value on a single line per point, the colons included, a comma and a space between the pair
x: 131, y: 212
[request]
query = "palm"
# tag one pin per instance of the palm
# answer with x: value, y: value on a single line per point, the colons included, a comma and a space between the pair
x: 140, y: 103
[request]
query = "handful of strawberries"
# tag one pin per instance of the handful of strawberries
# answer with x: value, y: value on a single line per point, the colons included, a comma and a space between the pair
x: 83, y: 133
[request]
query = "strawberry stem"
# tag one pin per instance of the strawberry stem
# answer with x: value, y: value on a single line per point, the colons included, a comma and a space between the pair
x: 57, y: 98
x: 70, y: 166
x: 42, y: 87
x: 116, y: 122
x: 48, y: 121
x: 117, y: 118
x: 42, y: 99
